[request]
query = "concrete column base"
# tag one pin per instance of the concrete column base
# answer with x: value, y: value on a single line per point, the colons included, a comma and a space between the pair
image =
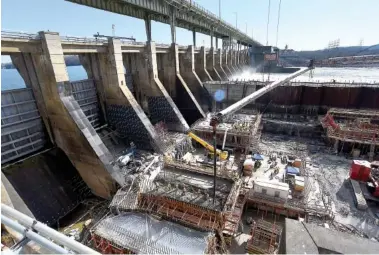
x: 219, y: 67
x: 224, y: 63
x: 201, y: 66
x: 187, y: 70
x: 211, y: 66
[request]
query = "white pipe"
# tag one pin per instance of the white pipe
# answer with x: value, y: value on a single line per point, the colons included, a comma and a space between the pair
x: 32, y: 235
x: 223, y: 143
x: 246, y: 100
x: 46, y: 231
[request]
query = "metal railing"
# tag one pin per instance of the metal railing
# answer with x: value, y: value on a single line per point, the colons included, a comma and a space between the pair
x: 78, y: 39
x: 19, y: 35
x: 186, y: 4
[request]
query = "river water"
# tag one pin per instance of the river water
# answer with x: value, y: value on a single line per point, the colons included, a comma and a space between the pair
x: 11, y: 79
x: 322, y: 74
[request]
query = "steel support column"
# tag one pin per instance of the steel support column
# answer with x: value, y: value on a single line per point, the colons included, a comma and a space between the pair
x: 194, y: 38
x: 212, y: 38
x: 173, y: 24
x: 148, y: 27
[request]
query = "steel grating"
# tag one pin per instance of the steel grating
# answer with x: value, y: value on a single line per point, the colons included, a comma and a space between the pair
x: 85, y: 94
x: 22, y: 129
x: 142, y: 233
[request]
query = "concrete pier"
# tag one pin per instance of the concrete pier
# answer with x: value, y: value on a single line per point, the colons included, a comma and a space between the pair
x: 71, y: 130
x: 201, y: 66
x: 219, y: 67
x: 232, y: 60
x: 225, y: 64
x: 151, y: 94
x: 120, y: 105
x: 174, y: 87
x: 211, y: 65
x: 193, y: 84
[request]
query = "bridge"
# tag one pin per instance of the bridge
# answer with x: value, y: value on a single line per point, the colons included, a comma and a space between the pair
x: 177, y: 13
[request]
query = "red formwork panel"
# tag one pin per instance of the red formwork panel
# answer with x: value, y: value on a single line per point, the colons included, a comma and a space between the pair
x: 360, y: 170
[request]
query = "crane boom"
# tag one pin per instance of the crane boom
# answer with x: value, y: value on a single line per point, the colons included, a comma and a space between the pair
x: 248, y: 99
x: 222, y: 154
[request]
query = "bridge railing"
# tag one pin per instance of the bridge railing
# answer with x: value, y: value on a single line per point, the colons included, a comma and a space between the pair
x: 77, y: 39
x: 19, y: 35
x: 126, y: 42
x: 187, y: 3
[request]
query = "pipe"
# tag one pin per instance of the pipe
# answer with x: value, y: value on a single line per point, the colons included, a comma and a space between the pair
x: 32, y: 235
x: 46, y: 231
x: 223, y: 143
x: 246, y: 100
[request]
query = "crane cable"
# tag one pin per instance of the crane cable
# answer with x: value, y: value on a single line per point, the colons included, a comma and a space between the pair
x: 268, y: 21
x: 277, y: 26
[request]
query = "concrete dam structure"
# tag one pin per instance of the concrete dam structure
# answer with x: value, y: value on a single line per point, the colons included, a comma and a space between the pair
x: 91, y: 121
x: 122, y: 162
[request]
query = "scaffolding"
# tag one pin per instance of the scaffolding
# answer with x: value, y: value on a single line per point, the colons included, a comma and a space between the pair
x: 360, y: 130
x: 265, y: 238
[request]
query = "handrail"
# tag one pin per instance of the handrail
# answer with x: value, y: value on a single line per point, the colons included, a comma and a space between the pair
x: 46, y: 231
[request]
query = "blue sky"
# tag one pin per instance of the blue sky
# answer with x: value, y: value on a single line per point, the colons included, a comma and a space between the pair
x: 304, y: 24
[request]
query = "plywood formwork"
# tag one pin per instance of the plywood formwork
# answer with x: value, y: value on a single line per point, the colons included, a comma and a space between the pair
x: 184, y: 213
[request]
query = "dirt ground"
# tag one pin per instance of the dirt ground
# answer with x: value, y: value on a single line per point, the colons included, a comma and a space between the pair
x: 330, y: 173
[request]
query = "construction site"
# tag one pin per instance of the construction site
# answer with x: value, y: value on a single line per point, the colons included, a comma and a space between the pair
x: 161, y: 151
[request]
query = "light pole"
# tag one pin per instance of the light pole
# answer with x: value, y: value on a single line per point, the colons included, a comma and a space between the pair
x: 219, y: 9
x: 236, y: 18
x: 246, y: 27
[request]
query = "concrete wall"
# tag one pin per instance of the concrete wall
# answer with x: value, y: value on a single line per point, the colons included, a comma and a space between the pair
x: 309, y: 98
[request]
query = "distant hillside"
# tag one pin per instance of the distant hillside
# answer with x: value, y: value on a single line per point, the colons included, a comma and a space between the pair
x: 70, y: 61
x: 303, y: 57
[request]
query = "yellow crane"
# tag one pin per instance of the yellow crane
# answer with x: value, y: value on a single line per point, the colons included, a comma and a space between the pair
x: 222, y: 154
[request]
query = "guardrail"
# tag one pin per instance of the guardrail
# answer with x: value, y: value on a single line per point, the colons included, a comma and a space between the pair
x: 19, y: 35
x: 77, y: 39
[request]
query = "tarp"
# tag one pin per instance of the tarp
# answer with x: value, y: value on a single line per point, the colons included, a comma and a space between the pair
x: 292, y: 170
x: 258, y: 156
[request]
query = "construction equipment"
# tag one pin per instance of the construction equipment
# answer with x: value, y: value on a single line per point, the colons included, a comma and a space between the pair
x: 222, y: 154
x: 217, y: 119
